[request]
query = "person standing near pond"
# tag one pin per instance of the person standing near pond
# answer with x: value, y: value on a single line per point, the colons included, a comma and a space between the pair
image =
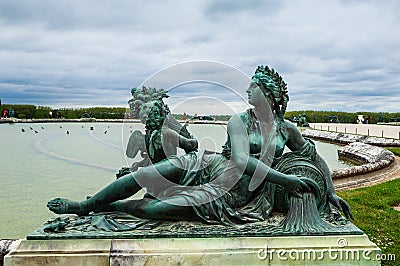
x: 236, y: 186
x: 5, y: 113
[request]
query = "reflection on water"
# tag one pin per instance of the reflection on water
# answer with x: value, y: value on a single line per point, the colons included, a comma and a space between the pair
x: 70, y: 160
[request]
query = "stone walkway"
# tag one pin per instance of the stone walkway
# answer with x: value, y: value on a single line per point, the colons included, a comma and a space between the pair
x: 386, y: 174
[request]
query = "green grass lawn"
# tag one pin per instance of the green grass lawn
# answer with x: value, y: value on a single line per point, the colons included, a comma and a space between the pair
x: 395, y: 151
x: 373, y: 213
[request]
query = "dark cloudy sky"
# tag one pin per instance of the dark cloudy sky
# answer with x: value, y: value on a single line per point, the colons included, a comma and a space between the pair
x: 334, y: 55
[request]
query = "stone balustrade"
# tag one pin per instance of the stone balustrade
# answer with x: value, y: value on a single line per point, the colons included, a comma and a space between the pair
x: 345, y: 138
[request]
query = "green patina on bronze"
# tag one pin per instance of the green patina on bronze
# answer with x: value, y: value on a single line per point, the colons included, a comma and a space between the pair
x: 147, y: 104
x: 240, y: 191
x: 302, y: 120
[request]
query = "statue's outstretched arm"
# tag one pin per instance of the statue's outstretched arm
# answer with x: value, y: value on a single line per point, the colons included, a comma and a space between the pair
x: 178, y: 135
x: 177, y: 140
x: 251, y: 166
x: 334, y: 199
x: 296, y: 142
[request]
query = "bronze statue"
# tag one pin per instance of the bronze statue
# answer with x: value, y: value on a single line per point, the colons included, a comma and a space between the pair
x: 163, y: 134
x: 143, y: 95
x: 237, y: 186
x: 302, y: 121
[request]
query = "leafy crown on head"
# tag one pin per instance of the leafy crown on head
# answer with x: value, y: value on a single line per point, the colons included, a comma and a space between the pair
x: 273, y: 76
x: 273, y: 82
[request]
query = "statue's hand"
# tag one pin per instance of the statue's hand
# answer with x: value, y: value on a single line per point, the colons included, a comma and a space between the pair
x: 188, y: 144
x: 341, y: 205
x: 294, y: 185
x: 192, y: 144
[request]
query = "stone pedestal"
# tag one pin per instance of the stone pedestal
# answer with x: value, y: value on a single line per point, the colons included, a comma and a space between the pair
x: 287, y: 250
x: 60, y: 252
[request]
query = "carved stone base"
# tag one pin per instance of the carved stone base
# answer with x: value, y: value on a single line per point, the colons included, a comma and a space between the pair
x: 60, y: 252
x: 288, y: 250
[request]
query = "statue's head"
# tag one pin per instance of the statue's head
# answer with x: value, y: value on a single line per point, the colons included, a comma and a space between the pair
x: 273, y: 87
x: 153, y: 114
x: 143, y: 95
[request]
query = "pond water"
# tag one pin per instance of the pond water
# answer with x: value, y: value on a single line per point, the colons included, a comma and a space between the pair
x: 70, y: 160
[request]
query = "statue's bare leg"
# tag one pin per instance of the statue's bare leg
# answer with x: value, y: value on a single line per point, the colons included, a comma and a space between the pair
x: 127, y: 206
x: 172, y: 208
x: 121, y: 188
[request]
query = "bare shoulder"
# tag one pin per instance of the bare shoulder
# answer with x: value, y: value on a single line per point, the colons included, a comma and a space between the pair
x: 237, y: 123
x: 295, y: 139
x: 237, y: 119
x: 291, y: 128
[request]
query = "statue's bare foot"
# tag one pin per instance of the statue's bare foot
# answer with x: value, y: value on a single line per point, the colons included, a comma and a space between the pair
x: 66, y: 206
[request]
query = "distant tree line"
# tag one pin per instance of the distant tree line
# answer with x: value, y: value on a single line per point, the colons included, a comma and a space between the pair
x: 324, y: 116
x: 31, y: 111
x: 343, y: 117
x: 28, y: 111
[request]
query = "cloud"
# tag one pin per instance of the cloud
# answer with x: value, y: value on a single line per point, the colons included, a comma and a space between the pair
x: 334, y: 55
x: 220, y: 9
